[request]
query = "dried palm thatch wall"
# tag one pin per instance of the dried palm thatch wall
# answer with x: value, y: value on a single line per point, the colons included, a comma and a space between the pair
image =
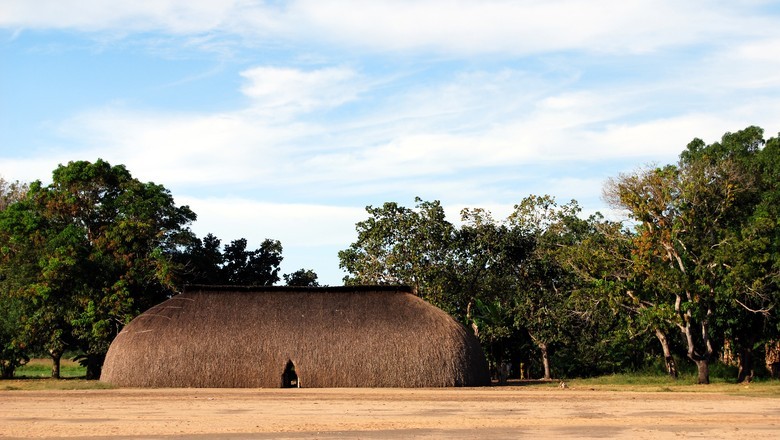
x: 335, y: 337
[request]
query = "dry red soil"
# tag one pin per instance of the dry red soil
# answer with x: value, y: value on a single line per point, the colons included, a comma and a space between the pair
x: 494, y: 412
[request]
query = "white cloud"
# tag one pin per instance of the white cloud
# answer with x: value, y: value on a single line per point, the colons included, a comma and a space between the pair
x: 175, y: 16
x: 447, y: 26
x: 658, y: 138
x: 474, y: 121
x: 760, y: 50
x: 197, y: 149
x: 32, y: 168
x: 276, y: 90
x: 253, y: 144
x: 752, y: 65
x: 499, y: 26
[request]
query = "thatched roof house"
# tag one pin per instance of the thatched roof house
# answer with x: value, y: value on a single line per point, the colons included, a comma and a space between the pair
x: 310, y: 337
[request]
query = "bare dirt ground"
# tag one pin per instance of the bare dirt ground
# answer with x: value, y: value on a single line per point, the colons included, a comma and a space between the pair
x: 493, y: 412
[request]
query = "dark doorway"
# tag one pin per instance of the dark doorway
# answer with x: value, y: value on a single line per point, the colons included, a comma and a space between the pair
x: 289, y: 377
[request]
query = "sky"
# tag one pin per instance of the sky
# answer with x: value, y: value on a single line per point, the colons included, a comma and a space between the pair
x: 285, y: 119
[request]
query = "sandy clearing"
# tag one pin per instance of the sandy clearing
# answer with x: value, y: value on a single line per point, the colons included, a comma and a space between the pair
x: 497, y: 412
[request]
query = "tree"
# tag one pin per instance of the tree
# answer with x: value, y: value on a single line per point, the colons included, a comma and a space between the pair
x: 764, y: 296
x: 492, y: 324
x: 543, y: 284
x: 201, y: 261
x: 252, y: 268
x: 301, y: 278
x: 11, y: 192
x: 13, y: 347
x: 398, y: 245
x: 31, y: 253
x: 745, y: 262
x: 610, y: 280
x: 484, y: 254
x: 687, y: 216
x: 13, y: 351
x: 99, y: 246
x: 204, y: 262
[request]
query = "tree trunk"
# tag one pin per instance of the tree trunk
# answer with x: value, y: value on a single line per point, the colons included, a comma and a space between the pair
x: 94, y: 366
x: 7, y: 369
x: 56, y: 356
x: 700, y: 357
x: 703, y: 367
x: 745, y: 365
x: 702, y: 361
x: 545, y: 360
x: 774, y: 371
x: 671, y: 365
x: 474, y: 325
x: 772, y: 359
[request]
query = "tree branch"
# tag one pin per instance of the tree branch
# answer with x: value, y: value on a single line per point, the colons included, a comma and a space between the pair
x: 764, y: 312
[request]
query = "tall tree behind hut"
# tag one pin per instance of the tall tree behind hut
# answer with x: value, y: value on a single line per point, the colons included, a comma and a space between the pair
x: 398, y: 245
x: 205, y: 261
x: 301, y: 278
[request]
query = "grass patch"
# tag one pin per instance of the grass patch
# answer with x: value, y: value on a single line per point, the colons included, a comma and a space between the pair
x: 685, y: 383
x: 36, y: 375
x: 38, y: 368
x: 47, y: 384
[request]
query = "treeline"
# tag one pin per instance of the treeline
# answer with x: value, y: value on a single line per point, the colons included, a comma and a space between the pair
x: 81, y: 257
x: 692, y: 274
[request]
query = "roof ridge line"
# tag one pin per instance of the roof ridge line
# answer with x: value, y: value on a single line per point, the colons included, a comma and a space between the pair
x: 330, y: 289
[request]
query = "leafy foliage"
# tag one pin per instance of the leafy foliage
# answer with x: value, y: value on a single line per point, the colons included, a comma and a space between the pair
x: 11, y: 192
x: 702, y: 240
x: 204, y: 262
x: 88, y: 252
x: 302, y: 278
x: 12, y: 349
x: 398, y: 245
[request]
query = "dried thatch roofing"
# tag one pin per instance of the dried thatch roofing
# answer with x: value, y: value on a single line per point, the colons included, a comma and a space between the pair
x: 335, y: 337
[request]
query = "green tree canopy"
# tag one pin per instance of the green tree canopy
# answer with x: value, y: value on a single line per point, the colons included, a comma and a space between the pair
x: 398, y: 245
x: 301, y: 278
x: 700, y: 226
x: 204, y: 262
x: 96, y: 248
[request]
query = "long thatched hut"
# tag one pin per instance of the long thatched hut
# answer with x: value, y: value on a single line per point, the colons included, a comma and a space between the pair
x: 311, y: 337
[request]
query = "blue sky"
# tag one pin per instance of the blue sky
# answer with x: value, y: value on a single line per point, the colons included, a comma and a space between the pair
x: 284, y: 119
